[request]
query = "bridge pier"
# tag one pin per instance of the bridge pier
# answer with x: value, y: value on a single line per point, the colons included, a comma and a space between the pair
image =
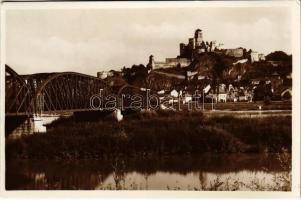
x: 28, y: 125
x: 118, y: 115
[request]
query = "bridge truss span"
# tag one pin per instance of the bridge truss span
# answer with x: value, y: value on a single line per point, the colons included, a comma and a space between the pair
x: 18, y: 93
x: 50, y: 92
x: 68, y: 91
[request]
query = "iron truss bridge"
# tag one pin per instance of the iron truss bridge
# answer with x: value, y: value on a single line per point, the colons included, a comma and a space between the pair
x: 53, y: 92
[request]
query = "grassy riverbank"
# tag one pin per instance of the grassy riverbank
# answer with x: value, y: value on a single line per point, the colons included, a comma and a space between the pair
x: 161, y: 133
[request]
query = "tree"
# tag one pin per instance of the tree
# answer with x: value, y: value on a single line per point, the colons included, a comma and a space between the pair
x: 263, y: 92
x: 278, y: 56
x: 220, y: 64
x: 135, y: 75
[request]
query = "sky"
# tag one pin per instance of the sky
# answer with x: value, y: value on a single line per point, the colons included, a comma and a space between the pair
x: 92, y: 40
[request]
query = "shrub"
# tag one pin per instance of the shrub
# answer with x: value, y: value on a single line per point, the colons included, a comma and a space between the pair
x: 167, y: 133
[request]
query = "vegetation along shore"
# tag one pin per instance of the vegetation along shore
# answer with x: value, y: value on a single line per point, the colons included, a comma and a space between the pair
x: 154, y: 133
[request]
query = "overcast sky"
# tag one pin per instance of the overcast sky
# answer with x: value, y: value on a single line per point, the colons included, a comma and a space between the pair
x: 88, y: 41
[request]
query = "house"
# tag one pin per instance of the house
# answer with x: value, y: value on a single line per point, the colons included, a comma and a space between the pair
x: 187, y: 99
x: 241, y: 61
x: 221, y: 97
x: 261, y: 56
x: 255, y: 81
x: 174, y: 93
x: 161, y: 92
x: 200, y: 77
x: 104, y: 74
x: 236, y: 94
x: 190, y: 75
x: 207, y: 89
x: 242, y: 98
x: 222, y: 88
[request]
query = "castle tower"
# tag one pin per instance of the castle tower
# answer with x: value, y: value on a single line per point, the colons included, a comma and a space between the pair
x: 198, y: 36
x: 151, y: 62
x: 191, y: 43
x: 182, y: 49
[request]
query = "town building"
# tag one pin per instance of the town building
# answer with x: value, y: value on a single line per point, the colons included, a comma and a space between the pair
x: 190, y: 75
x: 104, y: 74
x: 255, y: 56
x: 168, y: 63
x: 242, y: 61
x: 237, y: 53
x: 261, y: 56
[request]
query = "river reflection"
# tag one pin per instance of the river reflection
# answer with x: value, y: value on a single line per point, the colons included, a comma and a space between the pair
x: 207, y: 172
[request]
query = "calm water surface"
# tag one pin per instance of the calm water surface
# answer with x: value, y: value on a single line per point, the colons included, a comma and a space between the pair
x: 206, y: 172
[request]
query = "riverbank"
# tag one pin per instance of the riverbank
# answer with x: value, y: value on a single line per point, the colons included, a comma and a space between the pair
x: 154, y: 133
x: 249, y: 106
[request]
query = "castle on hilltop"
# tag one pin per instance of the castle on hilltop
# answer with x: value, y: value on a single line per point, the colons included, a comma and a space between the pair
x: 196, y: 45
x: 188, y: 52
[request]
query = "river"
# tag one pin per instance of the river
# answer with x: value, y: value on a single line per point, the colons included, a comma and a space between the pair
x: 205, y: 172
